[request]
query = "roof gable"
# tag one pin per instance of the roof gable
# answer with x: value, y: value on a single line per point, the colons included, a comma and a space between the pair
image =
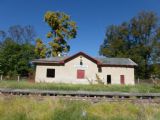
x: 80, y: 54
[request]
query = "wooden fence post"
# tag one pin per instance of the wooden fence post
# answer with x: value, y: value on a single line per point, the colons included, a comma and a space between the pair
x: 18, y: 78
x: 1, y: 77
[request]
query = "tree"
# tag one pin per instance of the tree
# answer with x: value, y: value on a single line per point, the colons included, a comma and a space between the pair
x: 0, y: 69
x: 8, y: 55
x: 2, y: 35
x: 17, y: 50
x: 40, y: 49
x: 137, y: 39
x: 62, y: 29
x: 29, y: 34
x: 22, y: 35
x: 15, y: 58
x: 26, y: 54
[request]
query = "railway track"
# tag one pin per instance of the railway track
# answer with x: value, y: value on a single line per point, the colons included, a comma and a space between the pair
x: 86, y: 95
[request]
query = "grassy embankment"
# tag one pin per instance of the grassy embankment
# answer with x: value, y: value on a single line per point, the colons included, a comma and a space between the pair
x: 23, y: 108
x: 50, y: 108
x: 145, y: 88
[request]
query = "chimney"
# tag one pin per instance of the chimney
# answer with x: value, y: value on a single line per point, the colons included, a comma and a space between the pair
x: 59, y: 54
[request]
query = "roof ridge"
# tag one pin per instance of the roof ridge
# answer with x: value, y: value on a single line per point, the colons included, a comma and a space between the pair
x: 97, y: 60
x: 112, y: 58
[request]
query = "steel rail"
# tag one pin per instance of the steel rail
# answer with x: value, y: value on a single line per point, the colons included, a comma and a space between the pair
x: 91, y: 94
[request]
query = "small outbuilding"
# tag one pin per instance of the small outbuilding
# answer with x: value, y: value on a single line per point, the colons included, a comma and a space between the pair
x: 84, y: 69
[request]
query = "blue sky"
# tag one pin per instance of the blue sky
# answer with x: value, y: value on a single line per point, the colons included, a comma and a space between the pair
x: 92, y: 17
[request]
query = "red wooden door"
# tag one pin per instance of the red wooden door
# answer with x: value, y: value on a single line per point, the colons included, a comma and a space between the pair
x: 122, y: 79
x: 80, y: 74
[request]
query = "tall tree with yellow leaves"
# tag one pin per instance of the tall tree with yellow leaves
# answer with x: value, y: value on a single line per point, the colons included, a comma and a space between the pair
x: 62, y: 29
x: 40, y: 49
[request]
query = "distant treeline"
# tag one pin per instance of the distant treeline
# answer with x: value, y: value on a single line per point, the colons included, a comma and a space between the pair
x: 138, y: 39
x: 17, y: 50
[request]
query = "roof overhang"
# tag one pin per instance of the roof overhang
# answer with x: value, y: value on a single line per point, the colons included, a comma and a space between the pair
x: 65, y: 60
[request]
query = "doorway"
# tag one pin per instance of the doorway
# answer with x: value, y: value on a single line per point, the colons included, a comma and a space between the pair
x: 80, y: 74
x: 108, y: 79
x: 122, y: 79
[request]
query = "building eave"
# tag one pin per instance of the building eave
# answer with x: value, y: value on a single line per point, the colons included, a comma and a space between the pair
x: 115, y: 65
x: 94, y: 60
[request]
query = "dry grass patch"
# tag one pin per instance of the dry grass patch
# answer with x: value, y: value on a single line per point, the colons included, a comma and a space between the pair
x: 49, y: 108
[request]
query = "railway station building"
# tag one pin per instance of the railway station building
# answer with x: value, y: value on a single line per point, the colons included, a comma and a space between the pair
x: 81, y: 68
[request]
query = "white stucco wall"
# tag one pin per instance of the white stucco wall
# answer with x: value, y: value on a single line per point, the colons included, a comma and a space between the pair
x: 115, y: 73
x: 68, y: 73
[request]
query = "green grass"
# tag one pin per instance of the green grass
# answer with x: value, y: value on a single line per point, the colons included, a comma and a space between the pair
x: 142, y: 88
x: 34, y: 108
